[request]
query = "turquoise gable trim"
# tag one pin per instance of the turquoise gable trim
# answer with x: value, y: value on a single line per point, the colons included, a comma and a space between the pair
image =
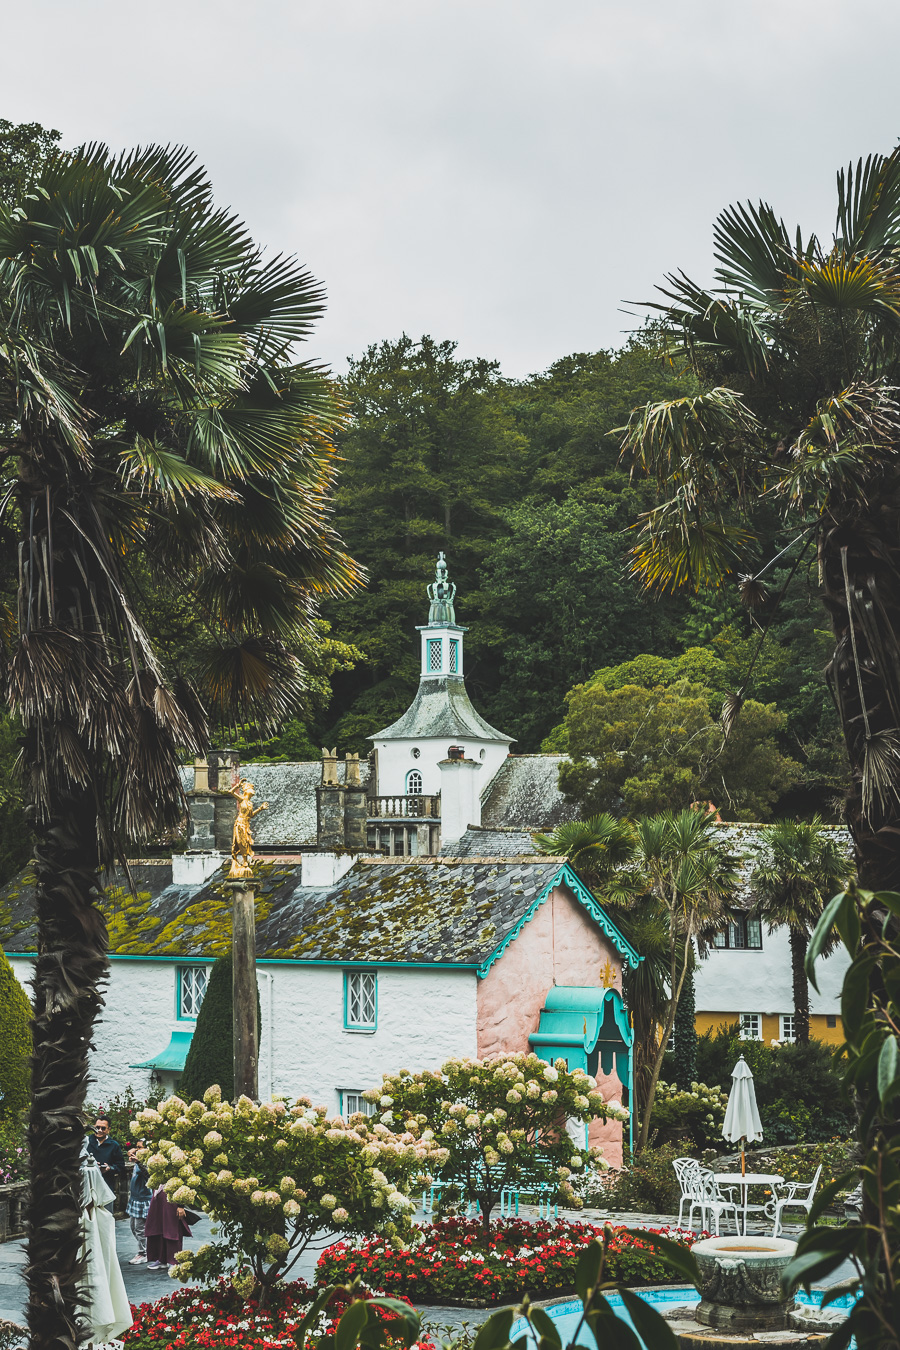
x: 567, y: 877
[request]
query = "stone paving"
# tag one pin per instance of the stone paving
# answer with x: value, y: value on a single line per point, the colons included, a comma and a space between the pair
x: 145, y: 1285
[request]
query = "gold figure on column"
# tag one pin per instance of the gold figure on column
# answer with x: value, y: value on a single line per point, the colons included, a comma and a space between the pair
x: 242, y: 838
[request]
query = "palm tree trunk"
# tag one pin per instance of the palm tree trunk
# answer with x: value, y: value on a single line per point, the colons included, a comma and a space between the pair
x: 70, y: 967
x: 799, y: 943
x: 860, y: 563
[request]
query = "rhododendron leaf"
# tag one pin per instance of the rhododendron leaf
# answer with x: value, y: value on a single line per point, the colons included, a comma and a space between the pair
x: 674, y: 1253
x: 545, y: 1326
x: 351, y: 1324
x: 494, y: 1333
x: 588, y: 1269
x: 409, y: 1316
x: 653, y: 1329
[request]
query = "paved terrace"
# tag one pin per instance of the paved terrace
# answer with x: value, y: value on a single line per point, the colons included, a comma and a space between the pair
x: 145, y: 1286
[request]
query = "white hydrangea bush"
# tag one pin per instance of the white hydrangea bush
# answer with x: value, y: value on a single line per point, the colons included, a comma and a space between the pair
x: 698, y: 1113
x: 277, y: 1176
x: 501, y: 1123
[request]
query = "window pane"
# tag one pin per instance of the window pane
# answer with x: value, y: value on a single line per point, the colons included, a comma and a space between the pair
x: 754, y: 933
x: 751, y: 1026
x: 360, y: 998
x: 434, y: 653
x: 454, y: 655
x: 193, y: 981
x: 788, y: 1027
x: 413, y: 783
x: 354, y: 1103
x: 719, y: 940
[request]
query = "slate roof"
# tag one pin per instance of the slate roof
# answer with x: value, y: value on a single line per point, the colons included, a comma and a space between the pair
x: 441, y: 912
x: 524, y: 794
x: 441, y: 707
x: 290, y: 790
x: 482, y: 843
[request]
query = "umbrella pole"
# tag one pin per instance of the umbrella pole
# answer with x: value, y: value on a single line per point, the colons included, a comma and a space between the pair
x: 743, y: 1158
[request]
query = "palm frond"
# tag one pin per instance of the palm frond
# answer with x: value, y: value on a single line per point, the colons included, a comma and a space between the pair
x: 753, y: 592
x: 844, y: 282
x: 679, y: 548
x: 167, y: 475
x: 254, y: 680
x: 868, y: 212
x: 880, y: 771
x: 676, y: 439
x: 754, y: 253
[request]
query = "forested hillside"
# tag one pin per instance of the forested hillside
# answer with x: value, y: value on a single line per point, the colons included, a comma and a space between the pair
x: 520, y: 484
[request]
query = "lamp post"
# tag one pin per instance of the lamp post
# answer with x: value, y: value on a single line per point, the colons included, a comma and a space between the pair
x: 243, y: 946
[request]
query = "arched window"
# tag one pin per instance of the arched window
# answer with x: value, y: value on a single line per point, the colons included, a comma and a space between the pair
x: 414, y: 783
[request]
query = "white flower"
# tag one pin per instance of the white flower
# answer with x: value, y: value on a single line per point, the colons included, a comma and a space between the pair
x: 386, y: 1100
x: 340, y: 1215
x: 328, y: 1201
x: 551, y: 1074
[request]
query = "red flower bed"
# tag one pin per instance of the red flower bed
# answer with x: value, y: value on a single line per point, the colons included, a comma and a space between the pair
x: 449, y: 1260
x: 219, y: 1319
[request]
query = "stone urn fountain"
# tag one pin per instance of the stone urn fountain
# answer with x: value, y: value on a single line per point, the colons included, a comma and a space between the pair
x: 742, y: 1302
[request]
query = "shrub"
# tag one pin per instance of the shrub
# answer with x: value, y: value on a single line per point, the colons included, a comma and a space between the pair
x: 452, y: 1260
x: 502, y: 1122
x: 798, y: 1087
x: 646, y: 1185
x: 698, y: 1113
x: 276, y: 1176
x: 15, y: 1042
x: 210, y: 1058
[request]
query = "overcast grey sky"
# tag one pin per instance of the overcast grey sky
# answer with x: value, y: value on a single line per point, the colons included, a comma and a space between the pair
x: 502, y: 172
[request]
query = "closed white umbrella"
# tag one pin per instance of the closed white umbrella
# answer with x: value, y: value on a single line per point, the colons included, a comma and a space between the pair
x: 742, y: 1117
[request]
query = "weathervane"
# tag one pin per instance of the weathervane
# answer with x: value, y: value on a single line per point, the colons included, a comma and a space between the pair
x: 242, y: 838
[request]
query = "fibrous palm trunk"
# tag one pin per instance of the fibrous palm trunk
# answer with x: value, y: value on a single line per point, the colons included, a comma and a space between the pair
x: 71, y: 966
x: 860, y: 562
x: 799, y: 943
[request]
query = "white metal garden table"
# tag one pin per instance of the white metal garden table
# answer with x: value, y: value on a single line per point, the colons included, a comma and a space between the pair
x: 745, y: 1180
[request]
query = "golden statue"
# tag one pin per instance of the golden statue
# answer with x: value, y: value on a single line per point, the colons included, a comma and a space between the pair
x: 242, y: 838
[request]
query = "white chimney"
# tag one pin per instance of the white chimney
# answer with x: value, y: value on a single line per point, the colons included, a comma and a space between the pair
x: 460, y: 796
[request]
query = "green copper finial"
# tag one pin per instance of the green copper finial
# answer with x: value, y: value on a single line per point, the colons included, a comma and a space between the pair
x: 441, y: 593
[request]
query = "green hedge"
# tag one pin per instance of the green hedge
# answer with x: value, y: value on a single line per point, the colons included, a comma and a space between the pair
x: 15, y: 1042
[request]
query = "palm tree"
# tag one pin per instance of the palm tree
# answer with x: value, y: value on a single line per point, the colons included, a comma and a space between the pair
x: 670, y: 882
x: 802, y: 868
x: 687, y: 876
x: 154, y: 423
x: 797, y: 349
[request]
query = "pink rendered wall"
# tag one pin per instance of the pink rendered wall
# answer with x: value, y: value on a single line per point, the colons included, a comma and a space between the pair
x: 561, y: 945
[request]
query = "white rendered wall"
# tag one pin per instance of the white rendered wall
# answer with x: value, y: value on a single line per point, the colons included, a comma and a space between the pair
x: 460, y: 798
x: 424, y: 1016
x: 760, y: 981
x: 396, y: 758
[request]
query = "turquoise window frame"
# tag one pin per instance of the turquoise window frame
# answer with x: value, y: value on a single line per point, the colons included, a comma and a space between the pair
x: 193, y: 965
x: 434, y: 648
x: 360, y: 1026
x: 454, y: 656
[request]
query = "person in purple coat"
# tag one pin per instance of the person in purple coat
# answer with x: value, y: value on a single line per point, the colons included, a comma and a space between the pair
x: 165, y: 1230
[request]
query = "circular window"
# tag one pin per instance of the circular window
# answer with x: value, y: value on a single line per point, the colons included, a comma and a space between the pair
x: 415, y: 752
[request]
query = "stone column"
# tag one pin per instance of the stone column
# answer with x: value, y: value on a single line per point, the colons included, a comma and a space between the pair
x: 243, y: 951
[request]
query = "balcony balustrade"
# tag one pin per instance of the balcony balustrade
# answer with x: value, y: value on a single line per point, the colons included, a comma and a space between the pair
x: 399, y: 808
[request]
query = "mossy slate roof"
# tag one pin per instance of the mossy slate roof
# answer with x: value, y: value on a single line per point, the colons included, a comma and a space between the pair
x: 443, y: 912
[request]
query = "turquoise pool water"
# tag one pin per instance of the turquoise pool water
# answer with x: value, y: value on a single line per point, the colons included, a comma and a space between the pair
x: 567, y: 1315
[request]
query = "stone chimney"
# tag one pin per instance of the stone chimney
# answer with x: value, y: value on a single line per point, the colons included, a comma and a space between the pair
x: 330, y: 830
x: 460, y: 795
x: 355, y: 806
x: 213, y: 811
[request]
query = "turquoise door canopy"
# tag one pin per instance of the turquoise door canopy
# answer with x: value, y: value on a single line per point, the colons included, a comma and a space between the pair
x: 585, y: 1025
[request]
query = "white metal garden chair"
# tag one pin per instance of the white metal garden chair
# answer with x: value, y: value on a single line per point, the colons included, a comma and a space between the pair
x: 690, y: 1179
x: 717, y: 1201
x: 796, y: 1194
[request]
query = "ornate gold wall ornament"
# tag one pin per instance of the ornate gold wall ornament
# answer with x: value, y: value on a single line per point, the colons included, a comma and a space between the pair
x: 608, y: 975
x: 242, y: 839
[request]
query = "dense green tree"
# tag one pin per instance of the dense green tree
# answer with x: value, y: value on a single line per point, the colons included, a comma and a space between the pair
x: 24, y: 148
x: 634, y: 749
x: 517, y: 483
x: 685, y: 1033
x: 555, y: 602
x: 154, y: 417
x: 801, y: 866
x: 15, y: 1042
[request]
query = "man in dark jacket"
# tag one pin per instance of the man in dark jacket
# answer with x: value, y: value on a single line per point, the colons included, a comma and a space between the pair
x: 107, y: 1152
